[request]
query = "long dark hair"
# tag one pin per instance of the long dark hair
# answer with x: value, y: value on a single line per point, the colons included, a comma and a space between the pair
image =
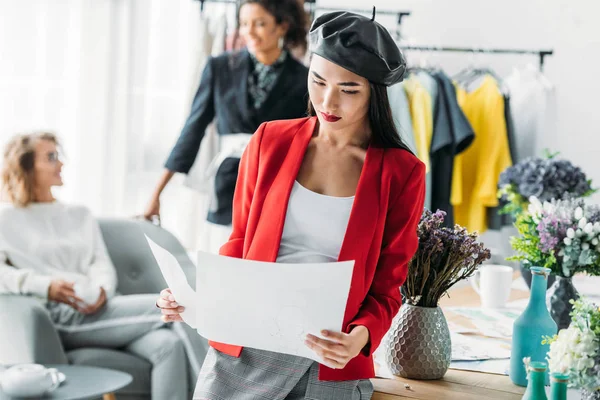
x: 385, y: 134
x: 284, y: 11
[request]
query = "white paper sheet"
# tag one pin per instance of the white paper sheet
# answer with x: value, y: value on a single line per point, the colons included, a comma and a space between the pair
x: 473, y: 348
x: 496, y: 323
x: 270, y: 306
x: 176, y: 281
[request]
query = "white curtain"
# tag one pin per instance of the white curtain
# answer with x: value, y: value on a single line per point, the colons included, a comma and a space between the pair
x: 112, y: 78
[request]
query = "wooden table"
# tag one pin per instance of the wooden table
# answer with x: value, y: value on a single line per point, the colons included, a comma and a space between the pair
x: 457, y: 384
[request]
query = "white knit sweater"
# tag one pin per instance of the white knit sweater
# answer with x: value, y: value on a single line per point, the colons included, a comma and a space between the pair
x: 47, y: 241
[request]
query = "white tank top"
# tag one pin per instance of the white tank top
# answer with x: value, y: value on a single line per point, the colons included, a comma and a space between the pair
x: 315, y: 225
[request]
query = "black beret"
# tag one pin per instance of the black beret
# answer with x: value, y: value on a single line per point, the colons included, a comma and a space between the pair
x: 358, y: 44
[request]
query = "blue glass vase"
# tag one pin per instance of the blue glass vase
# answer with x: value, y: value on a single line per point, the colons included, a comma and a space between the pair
x: 536, y: 385
x: 530, y: 328
x: 559, y: 386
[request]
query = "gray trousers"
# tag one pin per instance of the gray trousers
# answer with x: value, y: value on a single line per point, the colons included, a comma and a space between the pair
x: 132, y: 323
x: 264, y: 375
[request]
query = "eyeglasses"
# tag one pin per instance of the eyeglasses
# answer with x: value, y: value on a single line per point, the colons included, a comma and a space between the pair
x: 53, y: 157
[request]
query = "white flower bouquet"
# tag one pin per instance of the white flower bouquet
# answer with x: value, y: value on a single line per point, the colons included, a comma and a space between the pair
x: 575, y: 351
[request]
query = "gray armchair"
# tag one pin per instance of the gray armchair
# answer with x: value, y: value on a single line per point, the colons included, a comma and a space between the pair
x: 27, y: 333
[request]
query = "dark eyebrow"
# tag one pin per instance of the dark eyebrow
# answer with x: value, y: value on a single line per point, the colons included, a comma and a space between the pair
x: 349, y: 84
x: 318, y: 76
x: 339, y: 84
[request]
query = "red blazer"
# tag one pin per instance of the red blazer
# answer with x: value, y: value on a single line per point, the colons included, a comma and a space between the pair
x: 381, y: 235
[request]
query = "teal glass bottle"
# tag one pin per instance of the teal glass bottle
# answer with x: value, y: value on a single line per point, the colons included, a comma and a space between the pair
x: 537, y: 381
x: 558, y: 383
x: 530, y: 328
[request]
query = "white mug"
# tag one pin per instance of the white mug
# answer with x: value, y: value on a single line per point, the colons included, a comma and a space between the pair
x: 29, y: 380
x: 87, y: 292
x: 493, y: 285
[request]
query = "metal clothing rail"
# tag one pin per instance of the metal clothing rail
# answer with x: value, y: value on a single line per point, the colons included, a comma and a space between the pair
x: 540, y: 53
x: 399, y: 14
x: 313, y: 7
x: 216, y: 1
x: 312, y: 4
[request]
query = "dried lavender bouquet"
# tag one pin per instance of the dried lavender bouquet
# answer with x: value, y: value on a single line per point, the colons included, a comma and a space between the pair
x: 444, y: 257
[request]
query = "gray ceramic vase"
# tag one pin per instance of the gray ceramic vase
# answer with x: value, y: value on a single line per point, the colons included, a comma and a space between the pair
x: 560, y: 294
x: 418, y: 343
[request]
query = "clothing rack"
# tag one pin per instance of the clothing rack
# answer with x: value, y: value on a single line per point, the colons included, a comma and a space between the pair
x: 399, y: 14
x: 313, y: 7
x: 215, y: 1
x: 540, y: 53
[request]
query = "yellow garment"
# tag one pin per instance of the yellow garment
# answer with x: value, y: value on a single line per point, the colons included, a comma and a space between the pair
x: 419, y: 101
x: 477, y: 170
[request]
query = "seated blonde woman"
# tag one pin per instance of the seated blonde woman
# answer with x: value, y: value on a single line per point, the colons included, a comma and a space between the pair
x: 48, y: 248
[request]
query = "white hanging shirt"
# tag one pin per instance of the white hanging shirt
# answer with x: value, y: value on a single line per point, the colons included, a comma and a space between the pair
x: 532, y: 111
x: 315, y: 226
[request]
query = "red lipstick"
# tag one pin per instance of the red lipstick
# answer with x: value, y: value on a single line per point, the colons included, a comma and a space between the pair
x: 330, y: 117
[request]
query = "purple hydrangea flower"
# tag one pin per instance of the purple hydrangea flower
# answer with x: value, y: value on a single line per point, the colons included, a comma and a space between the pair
x: 546, y: 179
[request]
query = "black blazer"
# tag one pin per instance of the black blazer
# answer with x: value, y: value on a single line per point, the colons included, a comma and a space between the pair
x: 223, y: 93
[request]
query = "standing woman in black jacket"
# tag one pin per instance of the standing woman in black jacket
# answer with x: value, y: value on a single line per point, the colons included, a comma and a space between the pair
x: 243, y: 89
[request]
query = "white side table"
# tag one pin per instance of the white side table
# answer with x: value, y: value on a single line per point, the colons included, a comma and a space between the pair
x: 84, y: 382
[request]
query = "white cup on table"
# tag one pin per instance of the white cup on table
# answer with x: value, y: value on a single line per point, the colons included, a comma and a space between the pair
x: 493, y: 284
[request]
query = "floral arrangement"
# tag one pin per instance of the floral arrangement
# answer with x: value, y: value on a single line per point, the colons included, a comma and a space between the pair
x: 444, y: 257
x: 575, y: 351
x: 544, y: 178
x: 563, y: 235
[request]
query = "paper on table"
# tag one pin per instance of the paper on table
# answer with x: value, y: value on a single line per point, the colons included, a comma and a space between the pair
x: 471, y: 348
x: 456, y: 328
x: 176, y: 281
x: 489, y: 322
x: 270, y: 306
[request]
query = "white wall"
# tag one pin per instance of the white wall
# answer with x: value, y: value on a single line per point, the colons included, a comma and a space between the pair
x: 569, y: 27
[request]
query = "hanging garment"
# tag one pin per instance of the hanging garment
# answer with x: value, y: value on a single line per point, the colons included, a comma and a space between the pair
x: 477, y: 169
x: 452, y: 134
x: 431, y: 86
x: 196, y: 178
x: 531, y: 100
x: 422, y: 120
x: 510, y: 130
x: 223, y: 93
x: 219, y: 36
x: 497, y: 220
x: 401, y: 115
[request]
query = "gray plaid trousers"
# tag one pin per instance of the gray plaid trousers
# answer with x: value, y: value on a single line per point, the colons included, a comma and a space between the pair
x: 264, y: 375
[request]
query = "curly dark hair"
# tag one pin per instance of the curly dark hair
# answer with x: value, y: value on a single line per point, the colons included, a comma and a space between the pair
x: 290, y: 12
